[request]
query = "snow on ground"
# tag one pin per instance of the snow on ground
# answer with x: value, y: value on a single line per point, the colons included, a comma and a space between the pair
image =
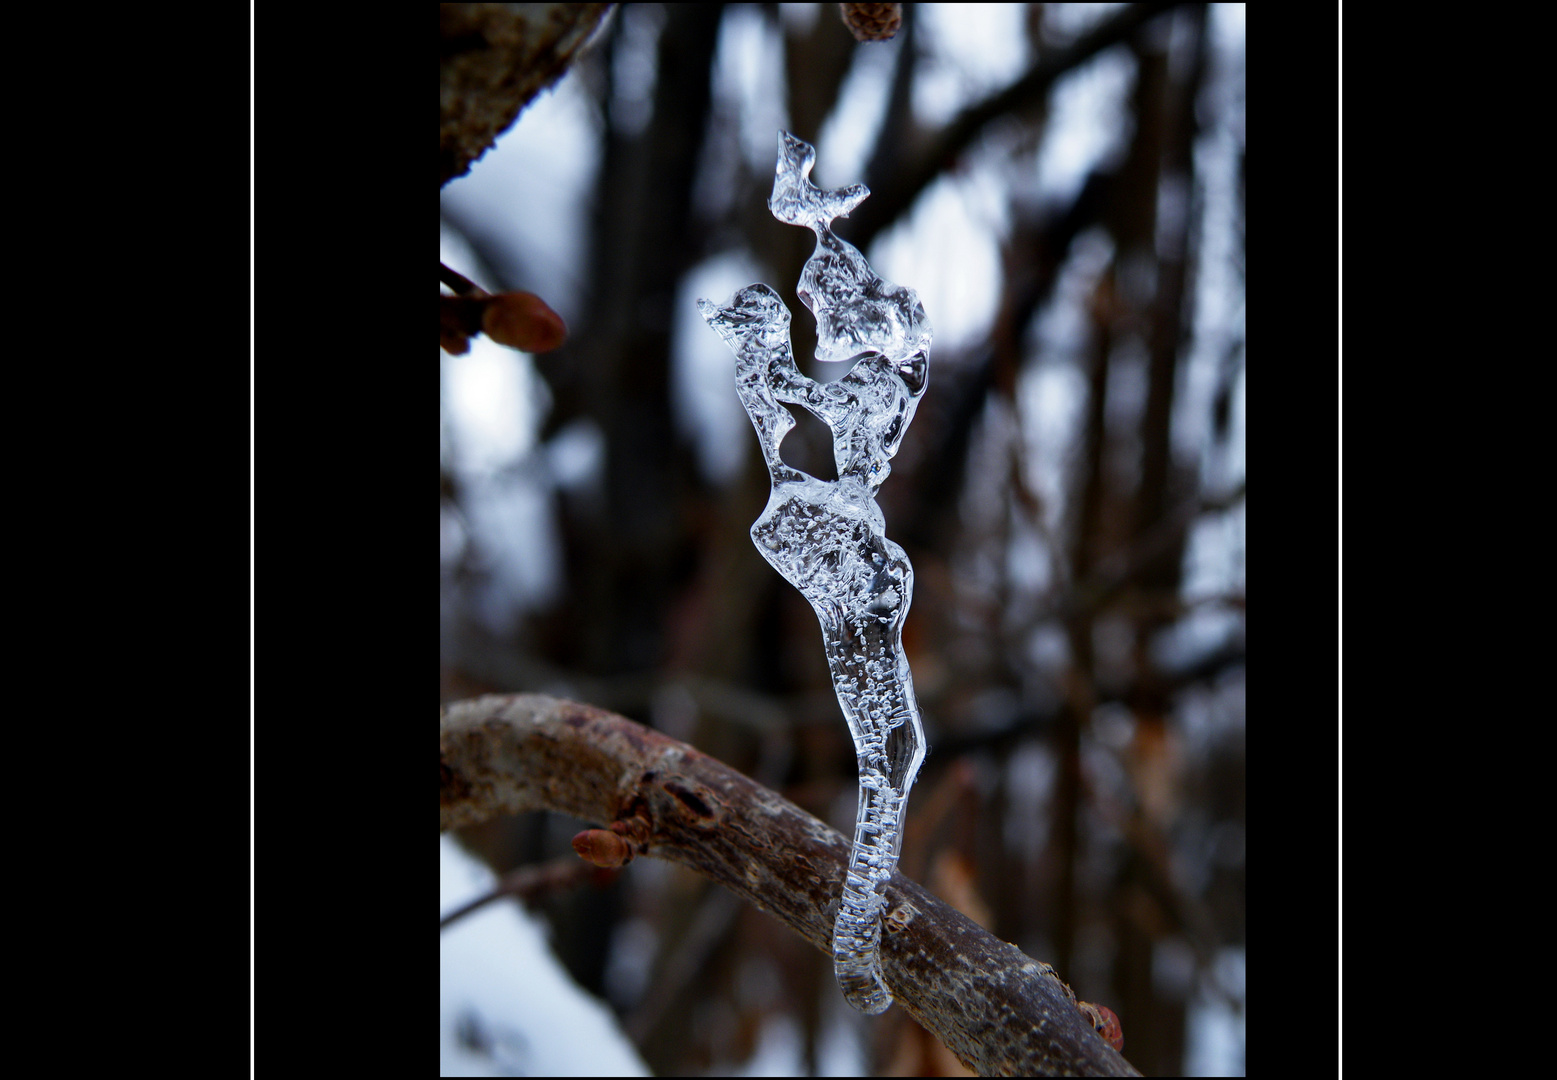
x: 506, y: 1007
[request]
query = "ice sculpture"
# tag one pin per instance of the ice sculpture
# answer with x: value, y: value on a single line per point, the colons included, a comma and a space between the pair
x: 828, y: 538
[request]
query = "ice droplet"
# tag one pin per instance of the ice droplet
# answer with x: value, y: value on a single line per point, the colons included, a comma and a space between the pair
x: 828, y: 538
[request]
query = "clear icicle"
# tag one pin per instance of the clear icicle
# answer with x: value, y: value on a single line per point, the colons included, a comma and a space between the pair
x: 828, y: 538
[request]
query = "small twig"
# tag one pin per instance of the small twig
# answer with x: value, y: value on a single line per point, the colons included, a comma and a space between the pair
x: 530, y: 882
x: 457, y: 281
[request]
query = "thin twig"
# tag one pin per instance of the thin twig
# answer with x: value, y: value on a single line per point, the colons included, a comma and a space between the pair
x: 529, y: 882
x: 457, y: 281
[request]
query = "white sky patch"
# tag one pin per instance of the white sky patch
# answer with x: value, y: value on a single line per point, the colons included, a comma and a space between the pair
x: 1215, y: 1043
x: 633, y: 67
x: 970, y: 51
x: 947, y: 252
x: 1053, y: 390
x: 1028, y: 561
x: 1030, y: 776
x: 708, y: 410
x: 749, y: 68
x: 496, y: 402
x: 488, y: 395
x: 1214, y: 556
x: 1236, y: 421
x: 778, y: 1050
x: 528, y: 192
x: 1219, y: 294
x: 798, y: 19
x: 1064, y: 23
x: 1201, y: 632
x: 493, y: 403
x: 1227, y: 26
x: 455, y: 253
x: 849, y: 135
x: 500, y: 985
x: 1087, y: 123
x: 518, y: 547
x: 575, y: 455
x: 1050, y: 398
x: 840, y: 1049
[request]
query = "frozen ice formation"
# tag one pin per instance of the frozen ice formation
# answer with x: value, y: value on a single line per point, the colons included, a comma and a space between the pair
x: 828, y: 538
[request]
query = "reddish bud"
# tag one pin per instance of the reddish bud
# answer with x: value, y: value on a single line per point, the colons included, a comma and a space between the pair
x: 1105, y: 1023
x: 602, y: 848
x: 522, y: 320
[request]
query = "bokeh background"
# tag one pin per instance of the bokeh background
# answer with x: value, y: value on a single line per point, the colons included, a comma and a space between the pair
x: 1071, y: 494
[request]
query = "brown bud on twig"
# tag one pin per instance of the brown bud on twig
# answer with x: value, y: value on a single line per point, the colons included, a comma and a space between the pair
x: 602, y: 847
x: 519, y: 320
x: 522, y: 320
x: 872, y: 22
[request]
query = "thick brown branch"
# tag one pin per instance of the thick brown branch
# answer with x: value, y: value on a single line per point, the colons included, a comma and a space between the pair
x: 494, y: 59
x: 1000, y: 1012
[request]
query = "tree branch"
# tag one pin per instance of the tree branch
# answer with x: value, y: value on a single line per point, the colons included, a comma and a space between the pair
x: 891, y: 197
x: 493, y: 60
x: 999, y: 1011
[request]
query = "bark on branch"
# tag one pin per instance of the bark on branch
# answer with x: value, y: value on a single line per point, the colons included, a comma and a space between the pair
x: 493, y: 60
x: 1000, y: 1012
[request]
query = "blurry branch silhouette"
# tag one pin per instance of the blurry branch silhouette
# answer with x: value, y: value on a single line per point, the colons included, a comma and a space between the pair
x: 1191, y: 915
x: 997, y: 1010
x: 531, y: 882
x: 1113, y: 572
x: 708, y: 929
x: 894, y: 194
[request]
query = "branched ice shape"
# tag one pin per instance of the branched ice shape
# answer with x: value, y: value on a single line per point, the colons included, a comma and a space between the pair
x: 828, y: 539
